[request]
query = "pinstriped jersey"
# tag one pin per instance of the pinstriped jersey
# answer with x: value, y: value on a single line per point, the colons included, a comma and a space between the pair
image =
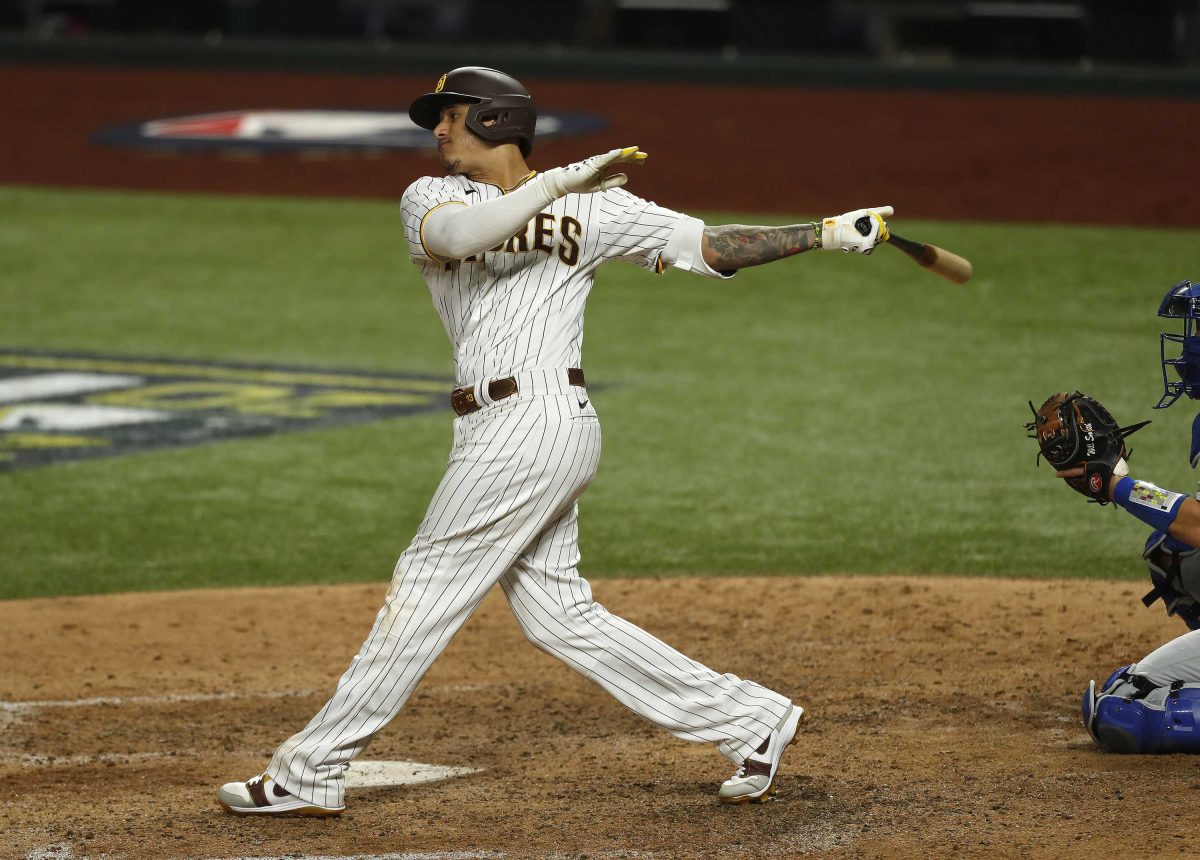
x: 519, y: 306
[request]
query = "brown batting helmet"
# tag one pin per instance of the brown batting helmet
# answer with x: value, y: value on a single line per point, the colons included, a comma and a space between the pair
x: 494, y: 97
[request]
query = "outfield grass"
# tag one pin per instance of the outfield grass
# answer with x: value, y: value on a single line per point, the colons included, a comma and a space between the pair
x: 823, y: 414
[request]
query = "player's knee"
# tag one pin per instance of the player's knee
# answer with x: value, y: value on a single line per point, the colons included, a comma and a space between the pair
x: 548, y: 627
x: 1130, y: 714
x: 530, y: 633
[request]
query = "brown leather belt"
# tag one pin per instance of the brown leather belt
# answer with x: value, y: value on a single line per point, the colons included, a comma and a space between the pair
x: 462, y: 399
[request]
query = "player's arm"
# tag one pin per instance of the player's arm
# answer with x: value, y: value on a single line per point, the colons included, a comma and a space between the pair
x: 454, y: 232
x: 1186, y: 527
x: 1175, y: 513
x: 737, y: 246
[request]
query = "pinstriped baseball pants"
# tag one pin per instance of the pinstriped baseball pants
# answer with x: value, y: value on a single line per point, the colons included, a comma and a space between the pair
x: 506, y: 512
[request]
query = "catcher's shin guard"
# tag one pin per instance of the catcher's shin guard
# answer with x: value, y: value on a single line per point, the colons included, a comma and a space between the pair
x: 1130, y: 714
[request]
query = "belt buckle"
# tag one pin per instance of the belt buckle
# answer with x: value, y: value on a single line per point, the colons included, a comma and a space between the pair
x: 463, y: 400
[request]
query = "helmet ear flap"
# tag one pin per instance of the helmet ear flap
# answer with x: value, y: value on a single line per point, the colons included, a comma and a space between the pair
x: 504, y: 123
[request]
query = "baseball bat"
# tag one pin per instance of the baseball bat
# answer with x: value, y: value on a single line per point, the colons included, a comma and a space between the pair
x: 937, y: 260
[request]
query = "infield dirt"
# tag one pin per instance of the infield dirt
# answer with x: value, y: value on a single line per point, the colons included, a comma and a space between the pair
x: 944, y: 722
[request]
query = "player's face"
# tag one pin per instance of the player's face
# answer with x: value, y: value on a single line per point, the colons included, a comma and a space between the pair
x: 462, y: 151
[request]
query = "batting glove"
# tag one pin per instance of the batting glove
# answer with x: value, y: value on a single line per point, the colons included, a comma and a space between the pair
x: 858, y: 231
x: 590, y: 175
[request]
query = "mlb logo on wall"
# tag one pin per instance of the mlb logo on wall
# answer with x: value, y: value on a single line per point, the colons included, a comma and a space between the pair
x: 56, y: 406
x: 289, y: 130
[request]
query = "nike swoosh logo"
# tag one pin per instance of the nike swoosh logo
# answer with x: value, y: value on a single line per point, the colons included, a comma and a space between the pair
x: 582, y: 404
x: 472, y: 191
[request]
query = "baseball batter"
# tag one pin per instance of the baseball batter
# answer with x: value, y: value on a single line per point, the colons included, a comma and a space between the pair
x: 509, y: 256
x: 1152, y: 706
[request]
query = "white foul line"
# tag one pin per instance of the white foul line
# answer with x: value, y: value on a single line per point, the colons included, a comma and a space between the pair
x: 361, y: 774
x: 10, y: 712
x: 407, y: 855
x: 33, y: 705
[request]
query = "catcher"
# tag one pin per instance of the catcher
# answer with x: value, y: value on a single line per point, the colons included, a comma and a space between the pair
x: 1153, y: 705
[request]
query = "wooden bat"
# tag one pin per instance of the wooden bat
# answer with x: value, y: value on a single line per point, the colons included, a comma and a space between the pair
x: 937, y: 260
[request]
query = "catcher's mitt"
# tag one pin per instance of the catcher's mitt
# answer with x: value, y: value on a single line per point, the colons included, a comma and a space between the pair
x: 1075, y: 430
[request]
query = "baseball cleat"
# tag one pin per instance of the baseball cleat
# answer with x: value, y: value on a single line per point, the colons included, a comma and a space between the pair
x: 754, y: 781
x: 263, y: 796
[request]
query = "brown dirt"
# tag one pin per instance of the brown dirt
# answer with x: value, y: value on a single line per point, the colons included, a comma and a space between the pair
x: 981, y: 156
x: 944, y: 723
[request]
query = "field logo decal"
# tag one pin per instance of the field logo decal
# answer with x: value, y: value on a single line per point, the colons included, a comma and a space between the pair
x: 56, y: 407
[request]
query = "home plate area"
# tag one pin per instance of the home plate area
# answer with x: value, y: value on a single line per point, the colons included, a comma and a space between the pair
x: 375, y: 774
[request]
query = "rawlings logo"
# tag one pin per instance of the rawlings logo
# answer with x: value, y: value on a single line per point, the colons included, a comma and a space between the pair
x: 441, y: 83
x: 1094, y: 483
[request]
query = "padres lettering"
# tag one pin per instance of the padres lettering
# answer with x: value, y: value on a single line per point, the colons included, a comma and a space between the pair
x: 542, y: 230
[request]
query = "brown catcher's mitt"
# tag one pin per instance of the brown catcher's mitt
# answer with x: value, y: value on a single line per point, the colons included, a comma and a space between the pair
x: 1075, y: 430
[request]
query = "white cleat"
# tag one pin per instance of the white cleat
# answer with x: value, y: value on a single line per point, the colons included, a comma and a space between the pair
x: 754, y: 781
x: 263, y: 796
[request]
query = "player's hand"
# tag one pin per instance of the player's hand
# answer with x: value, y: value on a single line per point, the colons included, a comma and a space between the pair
x: 1119, y: 471
x: 858, y: 231
x: 592, y: 174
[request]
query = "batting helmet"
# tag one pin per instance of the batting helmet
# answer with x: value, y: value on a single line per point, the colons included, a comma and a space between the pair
x: 501, y: 109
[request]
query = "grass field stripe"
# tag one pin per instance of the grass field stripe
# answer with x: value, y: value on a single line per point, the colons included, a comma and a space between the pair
x: 285, y: 377
x: 61, y: 385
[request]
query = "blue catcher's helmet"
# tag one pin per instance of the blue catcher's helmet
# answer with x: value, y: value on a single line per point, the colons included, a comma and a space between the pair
x: 1181, y: 302
x: 1132, y: 715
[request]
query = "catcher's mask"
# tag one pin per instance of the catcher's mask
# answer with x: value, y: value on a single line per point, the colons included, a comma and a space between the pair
x: 501, y: 109
x: 1131, y: 714
x: 1181, y: 302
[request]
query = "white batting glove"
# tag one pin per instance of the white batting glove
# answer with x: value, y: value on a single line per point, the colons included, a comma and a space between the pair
x: 858, y: 231
x: 589, y: 176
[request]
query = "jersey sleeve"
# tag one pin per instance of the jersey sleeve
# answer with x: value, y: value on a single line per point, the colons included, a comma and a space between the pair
x: 653, y: 236
x: 635, y: 230
x: 421, y: 198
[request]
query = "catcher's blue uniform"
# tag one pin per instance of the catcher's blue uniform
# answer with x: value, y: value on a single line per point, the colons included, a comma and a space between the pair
x: 1153, y: 706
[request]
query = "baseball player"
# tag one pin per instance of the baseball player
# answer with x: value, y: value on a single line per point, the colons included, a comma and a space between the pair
x: 1152, y: 705
x: 509, y: 255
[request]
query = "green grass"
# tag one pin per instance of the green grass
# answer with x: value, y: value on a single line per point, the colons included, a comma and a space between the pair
x: 823, y: 414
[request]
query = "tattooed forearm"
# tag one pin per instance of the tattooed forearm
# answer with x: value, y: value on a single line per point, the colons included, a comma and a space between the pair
x: 736, y: 246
